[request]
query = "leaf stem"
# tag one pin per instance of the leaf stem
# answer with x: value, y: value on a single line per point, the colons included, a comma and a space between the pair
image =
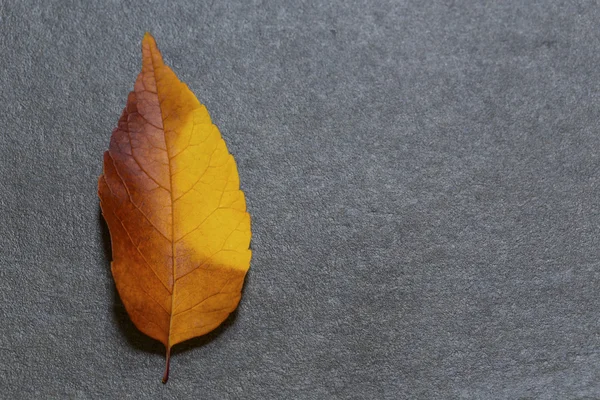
x: 166, y: 374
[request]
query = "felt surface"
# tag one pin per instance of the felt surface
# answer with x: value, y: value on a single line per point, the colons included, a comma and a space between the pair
x: 423, y: 178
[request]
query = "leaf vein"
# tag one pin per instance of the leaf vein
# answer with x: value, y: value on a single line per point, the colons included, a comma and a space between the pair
x: 133, y: 243
x: 136, y: 206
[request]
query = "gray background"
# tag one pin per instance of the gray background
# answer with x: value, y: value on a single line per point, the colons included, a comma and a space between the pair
x: 423, y: 177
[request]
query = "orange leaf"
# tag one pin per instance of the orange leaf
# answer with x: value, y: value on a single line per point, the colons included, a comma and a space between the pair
x: 178, y: 223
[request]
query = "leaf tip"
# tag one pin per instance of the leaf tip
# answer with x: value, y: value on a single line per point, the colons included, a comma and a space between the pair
x: 150, y: 50
x: 148, y: 40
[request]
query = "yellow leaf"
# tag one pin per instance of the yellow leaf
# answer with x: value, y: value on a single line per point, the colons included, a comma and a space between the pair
x: 178, y: 223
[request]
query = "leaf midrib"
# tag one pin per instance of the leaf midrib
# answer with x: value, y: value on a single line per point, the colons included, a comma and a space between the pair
x: 173, y: 266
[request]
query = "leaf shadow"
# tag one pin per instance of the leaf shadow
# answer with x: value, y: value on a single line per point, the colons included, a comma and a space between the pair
x: 135, y: 337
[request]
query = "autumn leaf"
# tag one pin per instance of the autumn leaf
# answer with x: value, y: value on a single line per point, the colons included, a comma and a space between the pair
x: 178, y: 223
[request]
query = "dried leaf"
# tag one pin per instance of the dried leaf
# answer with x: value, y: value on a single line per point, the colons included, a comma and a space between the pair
x: 178, y: 223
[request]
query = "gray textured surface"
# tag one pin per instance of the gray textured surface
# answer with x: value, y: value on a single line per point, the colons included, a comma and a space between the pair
x: 424, y: 181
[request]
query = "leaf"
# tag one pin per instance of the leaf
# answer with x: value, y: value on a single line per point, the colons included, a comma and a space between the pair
x: 178, y: 223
